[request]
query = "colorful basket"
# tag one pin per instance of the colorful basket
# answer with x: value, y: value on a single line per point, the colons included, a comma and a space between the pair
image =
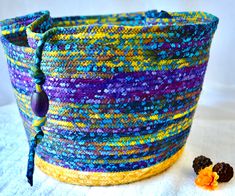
x: 122, y: 90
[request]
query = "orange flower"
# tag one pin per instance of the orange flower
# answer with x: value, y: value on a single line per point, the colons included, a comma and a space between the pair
x: 207, y: 179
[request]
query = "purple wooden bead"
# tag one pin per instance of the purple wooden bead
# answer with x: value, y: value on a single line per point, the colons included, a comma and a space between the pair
x: 39, y: 103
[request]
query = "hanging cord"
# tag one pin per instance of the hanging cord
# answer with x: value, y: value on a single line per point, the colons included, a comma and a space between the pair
x: 38, y: 123
x: 40, y: 105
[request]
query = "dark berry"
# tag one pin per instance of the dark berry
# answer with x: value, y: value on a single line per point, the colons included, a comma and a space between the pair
x: 224, y: 170
x: 200, y: 163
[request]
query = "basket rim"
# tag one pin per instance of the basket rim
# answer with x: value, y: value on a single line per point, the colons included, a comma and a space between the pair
x: 8, y: 26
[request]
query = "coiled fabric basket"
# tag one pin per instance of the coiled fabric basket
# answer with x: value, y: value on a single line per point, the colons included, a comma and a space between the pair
x: 122, y: 90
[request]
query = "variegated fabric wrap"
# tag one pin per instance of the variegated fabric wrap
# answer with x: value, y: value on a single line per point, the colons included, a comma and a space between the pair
x: 122, y: 89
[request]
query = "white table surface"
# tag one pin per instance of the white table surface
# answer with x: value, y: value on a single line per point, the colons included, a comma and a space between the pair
x: 212, y: 134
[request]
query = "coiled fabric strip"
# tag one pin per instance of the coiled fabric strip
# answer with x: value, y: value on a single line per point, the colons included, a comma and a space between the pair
x: 122, y: 90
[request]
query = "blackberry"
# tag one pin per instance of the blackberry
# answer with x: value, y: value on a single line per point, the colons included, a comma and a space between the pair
x: 224, y: 170
x: 200, y: 163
